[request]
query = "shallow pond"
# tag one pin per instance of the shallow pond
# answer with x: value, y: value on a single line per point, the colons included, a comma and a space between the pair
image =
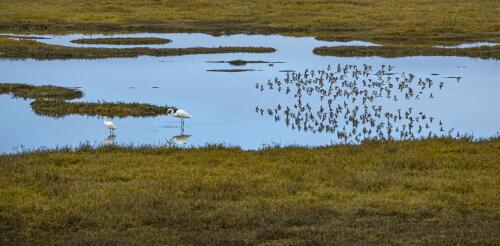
x: 246, y: 108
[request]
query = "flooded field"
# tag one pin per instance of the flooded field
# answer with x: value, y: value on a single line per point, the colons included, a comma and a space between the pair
x: 289, y: 97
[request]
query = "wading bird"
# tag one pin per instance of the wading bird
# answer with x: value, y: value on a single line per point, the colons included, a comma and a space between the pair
x: 179, y: 113
x: 110, y: 125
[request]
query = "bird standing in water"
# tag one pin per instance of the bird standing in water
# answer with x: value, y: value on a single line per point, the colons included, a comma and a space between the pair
x: 179, y: 113
x: 110, y: 125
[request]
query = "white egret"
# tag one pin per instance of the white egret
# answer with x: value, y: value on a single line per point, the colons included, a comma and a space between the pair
x: 110, y: 125
x: 179, y: 113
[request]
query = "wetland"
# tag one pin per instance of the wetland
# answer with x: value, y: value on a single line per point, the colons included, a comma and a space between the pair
x: 265, y: 122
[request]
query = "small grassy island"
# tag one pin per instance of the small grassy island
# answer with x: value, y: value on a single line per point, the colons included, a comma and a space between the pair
x: 121, y: 41
x: 23, y: 49
x: 51, y: 101
x: 58, y: 109
x: 39, y: 92
x: 485, y: 52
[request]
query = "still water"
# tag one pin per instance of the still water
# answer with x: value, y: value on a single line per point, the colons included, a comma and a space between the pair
x: 335, y: 100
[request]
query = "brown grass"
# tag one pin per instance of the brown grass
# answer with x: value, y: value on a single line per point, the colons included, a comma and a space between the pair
x: 31, y: 49
x: 427, y: 192
x: 388, y: 21
x: 485, y: 52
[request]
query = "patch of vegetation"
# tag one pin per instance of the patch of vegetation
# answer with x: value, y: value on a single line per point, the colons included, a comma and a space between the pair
x: 31, y: 49
x: 121, y: 41
x: 59, y: 108
x: 39, y: 92
x: 485, y: 52
x: 425, y: 192
x: 230, y: 70
x: 411, y: 21
x: 243, y: 62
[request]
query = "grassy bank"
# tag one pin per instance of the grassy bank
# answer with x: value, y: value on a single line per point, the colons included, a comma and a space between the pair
x: 57, y: 108
x: 121, y: 41
x: 436, y: 191
x: 485, y: 52
x: 389, y: 21
x: 32, y: 49
x: 39, y: 92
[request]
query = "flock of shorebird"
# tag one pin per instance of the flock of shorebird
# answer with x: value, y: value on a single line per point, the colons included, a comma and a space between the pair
x: 347, y: 99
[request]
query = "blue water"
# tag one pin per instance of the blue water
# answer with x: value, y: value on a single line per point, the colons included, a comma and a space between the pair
x: 223, y: 105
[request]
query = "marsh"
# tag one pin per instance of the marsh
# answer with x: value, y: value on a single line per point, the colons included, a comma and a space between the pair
x: 223, y: 104
x: 360, y: 122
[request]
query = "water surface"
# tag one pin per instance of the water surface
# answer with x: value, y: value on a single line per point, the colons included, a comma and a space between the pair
x: 226, y: 107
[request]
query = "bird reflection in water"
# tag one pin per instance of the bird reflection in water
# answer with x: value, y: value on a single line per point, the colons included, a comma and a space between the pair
x: 346, y: 100
x: 180, y: 139
x: 110, y: 140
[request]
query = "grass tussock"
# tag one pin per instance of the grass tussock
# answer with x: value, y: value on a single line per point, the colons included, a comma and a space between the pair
x: 39, y: 92
x: 389, y: 21
x: 59, y: 108
x: 485, y: 52
x: 121, y: 41
x: 22, y: 49
x: 426, y: 192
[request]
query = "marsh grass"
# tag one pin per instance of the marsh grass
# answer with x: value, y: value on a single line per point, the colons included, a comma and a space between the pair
x: 121, y: 41
x: 426, y: 192
x: 39, y: 92
x: 52, y: 101
x: 410, y: 21
x: 485, y: 52
x: 31, y: 49
x: 59, y: 108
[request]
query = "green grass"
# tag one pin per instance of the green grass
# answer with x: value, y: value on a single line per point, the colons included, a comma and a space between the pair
x: 56, y: 108
x: 485, y: 52
x: 50, y: 101
x: 388, y: 21
x: 121, y: 41
x: 426, y: 192
x: 22, y: 49
x: 39, y: 92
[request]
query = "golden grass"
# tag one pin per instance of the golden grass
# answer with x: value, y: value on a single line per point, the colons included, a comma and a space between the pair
x: 436, y: 191
x: 389, y: 21
x: 121, y: 41
x: 51, y: 101
x: 57, y: 108
x: 485, y: 52
x: 32, y: 49
x: 39, y: 92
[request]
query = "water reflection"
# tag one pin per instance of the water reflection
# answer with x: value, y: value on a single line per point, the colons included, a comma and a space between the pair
x: 110, y: 140
x: 347, y: 100
x: 180, y: 139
